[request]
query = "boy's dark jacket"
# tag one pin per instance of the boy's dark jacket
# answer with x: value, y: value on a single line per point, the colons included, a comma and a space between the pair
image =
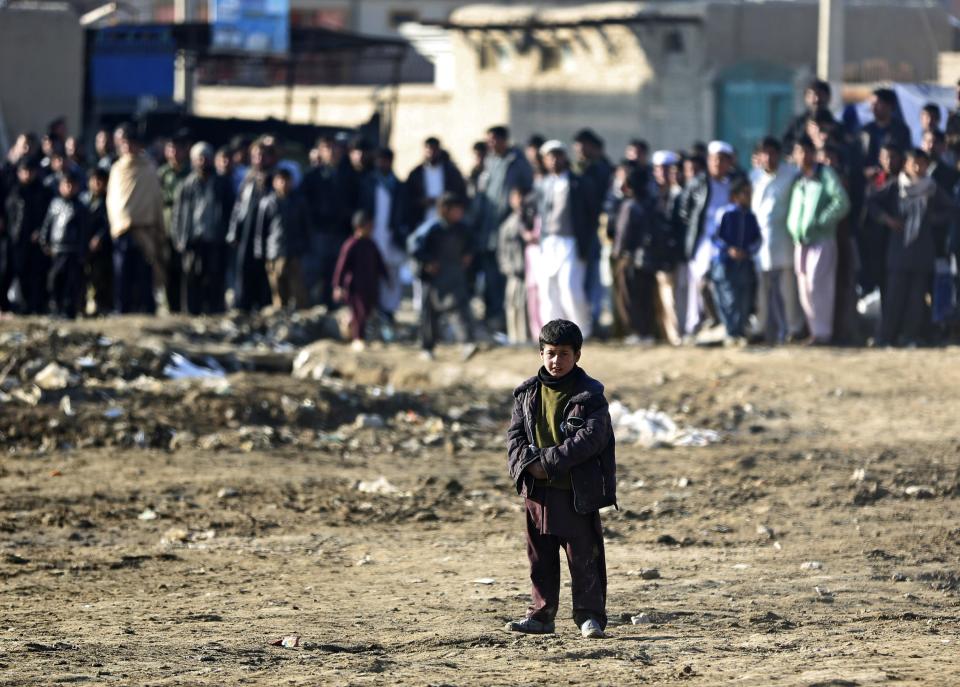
x: 589, y: 455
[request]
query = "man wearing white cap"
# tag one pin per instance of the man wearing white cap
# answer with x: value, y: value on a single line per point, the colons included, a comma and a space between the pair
x: 702, y: 201
x: 565, y: 212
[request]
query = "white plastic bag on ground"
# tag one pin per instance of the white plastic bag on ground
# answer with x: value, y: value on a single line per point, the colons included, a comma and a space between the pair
x: 652, y: 428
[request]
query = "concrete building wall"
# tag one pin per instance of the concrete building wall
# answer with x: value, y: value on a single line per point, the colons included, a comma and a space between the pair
x: 421, y: 111
x: 41, y: 68
x: 898, y: 41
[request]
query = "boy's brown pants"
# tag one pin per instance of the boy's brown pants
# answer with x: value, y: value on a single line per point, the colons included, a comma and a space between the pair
x: 286, y: 282
x: 553, y: 524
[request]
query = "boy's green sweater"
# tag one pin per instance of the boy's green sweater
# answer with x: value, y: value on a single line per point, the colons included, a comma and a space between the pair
x: 553, y: 401
x: 817, y: 204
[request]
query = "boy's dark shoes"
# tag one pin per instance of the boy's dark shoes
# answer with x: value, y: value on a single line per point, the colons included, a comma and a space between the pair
x: 530, y: 626
x: 591, y: 630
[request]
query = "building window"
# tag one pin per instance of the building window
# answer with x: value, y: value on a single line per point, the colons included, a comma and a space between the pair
x: 504, y: 58
x: 549, y: 58
x: 673, y: 43
x: 559, y: 56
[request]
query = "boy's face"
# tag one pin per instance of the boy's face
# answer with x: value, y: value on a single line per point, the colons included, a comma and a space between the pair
x: 516, y: 200
x: 281, y: 185
x: 454, y: 214
x: 364, y: 229
x: 96, y: 186
x: 68, y: 188
x: 559, y: 360
x: 742, y: 198
x: 917, y: 167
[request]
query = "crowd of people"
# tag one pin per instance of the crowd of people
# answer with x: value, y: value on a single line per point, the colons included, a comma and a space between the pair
x: 828, y: 214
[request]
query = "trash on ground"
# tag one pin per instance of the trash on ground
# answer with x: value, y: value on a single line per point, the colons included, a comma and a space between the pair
x: 654, y: 428
x: 180, y: 367
x: 379, y: 486
x: 288, y: 642
x: 52, y: 377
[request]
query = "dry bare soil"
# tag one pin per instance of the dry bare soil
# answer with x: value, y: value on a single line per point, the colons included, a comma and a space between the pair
x: 171, y: 540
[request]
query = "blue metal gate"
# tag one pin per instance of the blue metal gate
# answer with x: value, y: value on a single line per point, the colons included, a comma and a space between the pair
x: 753, y: 100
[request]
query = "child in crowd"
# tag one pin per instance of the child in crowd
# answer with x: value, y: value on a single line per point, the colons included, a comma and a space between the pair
x: 442, y: 251
x: 356, y: 280
x: 737, y: 240
x: 511, y: 259
x: 99, y: 263
x: 64, y: 238
x: 561, y: 457
x: 635, y: 260
x: 281, y: 240
x: 913, y: 211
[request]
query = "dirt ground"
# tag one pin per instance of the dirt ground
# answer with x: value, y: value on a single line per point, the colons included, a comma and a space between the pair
x: 162, y: 532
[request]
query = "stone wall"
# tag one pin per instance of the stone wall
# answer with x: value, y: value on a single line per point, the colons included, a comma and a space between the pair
x: 41, y: 68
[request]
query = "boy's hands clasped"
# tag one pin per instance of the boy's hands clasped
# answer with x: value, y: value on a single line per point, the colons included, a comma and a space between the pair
x: 536, y: 471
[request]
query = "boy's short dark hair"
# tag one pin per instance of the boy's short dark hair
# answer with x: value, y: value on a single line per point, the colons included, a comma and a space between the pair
x: 480, y: 147
x: 500, y: 132
x: 99, y: 173
x: 361, y: 218
x: 432, y: 141
x: 284, y: 173
x: 535, y: 141
x: 820, y: 86
x: 771, y: 143
x: 588, y: 136
x: 893, y: 147
x: 740, y: 186
x: 561, y: 333
x: 886, y: 95
x: 806, y: 143
x: 918, y: 154
x: 451, y: 200
x: 933, y: 110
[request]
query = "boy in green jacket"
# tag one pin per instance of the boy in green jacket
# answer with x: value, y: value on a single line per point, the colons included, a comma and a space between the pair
x: 818, y: 202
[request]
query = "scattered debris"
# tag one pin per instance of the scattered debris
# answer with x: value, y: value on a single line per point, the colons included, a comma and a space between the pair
x: 484, y: 580
x: 920, y: 492
x: 148, y: 514
x: 288, y: 642
x: 654, y: 428
x: 180, y: 367
x: 52, y: 377
x: 765, y: 531
x: 365, y: 421
x: 381, y: 485
x: 811, y: 565
x: 645, y: 573
x: 228, y: 493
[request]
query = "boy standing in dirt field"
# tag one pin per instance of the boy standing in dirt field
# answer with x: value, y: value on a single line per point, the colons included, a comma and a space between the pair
x: 561, y: 457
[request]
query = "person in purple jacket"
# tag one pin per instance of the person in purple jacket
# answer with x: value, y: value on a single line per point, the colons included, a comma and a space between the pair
x: 736, y: 240
x: 356, y: 280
